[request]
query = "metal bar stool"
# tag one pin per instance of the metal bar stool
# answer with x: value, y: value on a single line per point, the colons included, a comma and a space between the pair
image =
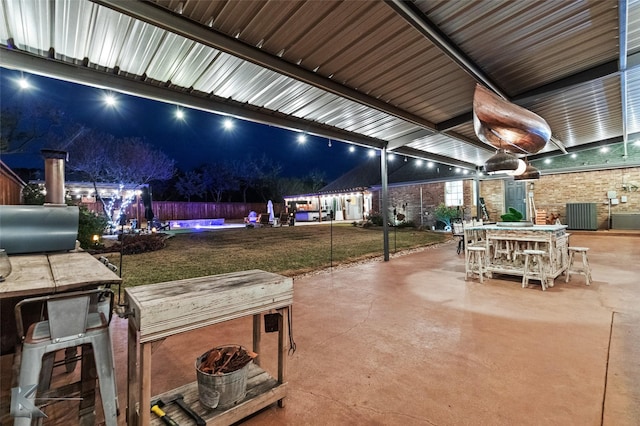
x: 535, y: 267
x: 72, y: 321
x: 475, y: 261
x: 585, y: 270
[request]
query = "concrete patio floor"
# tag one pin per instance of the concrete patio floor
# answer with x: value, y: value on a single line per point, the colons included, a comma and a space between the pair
x: 410, y: 342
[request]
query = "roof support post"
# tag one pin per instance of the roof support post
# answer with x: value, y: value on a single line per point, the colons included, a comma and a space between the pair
x: 385, y: 202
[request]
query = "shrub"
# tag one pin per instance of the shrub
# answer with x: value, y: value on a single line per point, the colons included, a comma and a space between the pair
x: 136, y: 244
x: 89, y: 224
x: 376, y: 218
x: 32, y: 194
x: 406, y: 224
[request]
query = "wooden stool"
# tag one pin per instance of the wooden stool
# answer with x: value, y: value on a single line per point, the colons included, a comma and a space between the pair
x: 537, y: 273
x: 475, y: 262
x: 502, y: 247
x: 585, y: 270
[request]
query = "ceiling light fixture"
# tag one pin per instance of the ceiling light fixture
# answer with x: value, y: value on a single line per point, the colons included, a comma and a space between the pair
x: 501, y: 162
x: 522, y: 166
x: 530, y: 173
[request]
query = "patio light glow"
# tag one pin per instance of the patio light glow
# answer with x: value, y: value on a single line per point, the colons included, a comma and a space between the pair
x: 179, y: 114
x: 24, y: 83
x: 372, y: 153
x: 110, y: 100
x: 353, y: 148
x: 302, y: 138
x: 227, y: 124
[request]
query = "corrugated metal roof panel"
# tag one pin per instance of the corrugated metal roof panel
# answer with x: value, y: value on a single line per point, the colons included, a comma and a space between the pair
x: 585, y: 113
x: 447, y: 146
x: 365, y: 46
x: 633, y: 100
x: 525, y: 44
x: 633, y: 26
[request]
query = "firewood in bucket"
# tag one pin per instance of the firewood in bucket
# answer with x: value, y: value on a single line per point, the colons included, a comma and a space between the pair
x: 225, y: 359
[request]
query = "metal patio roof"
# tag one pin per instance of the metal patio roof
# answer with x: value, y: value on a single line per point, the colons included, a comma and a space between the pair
x: 395, y: 74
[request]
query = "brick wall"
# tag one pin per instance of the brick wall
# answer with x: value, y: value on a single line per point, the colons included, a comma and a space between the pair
x: 551, y: 193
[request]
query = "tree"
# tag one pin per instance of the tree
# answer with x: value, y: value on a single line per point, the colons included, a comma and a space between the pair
x: 218, y: 178
x: 20, y: 127
x: 190, y: 184
x: 315, y: 180
x: 246, y: 174
x: 104, y: 158
x: 268, y: 173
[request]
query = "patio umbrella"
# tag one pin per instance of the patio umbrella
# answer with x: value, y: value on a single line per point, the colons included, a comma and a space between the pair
x: 270, y: 210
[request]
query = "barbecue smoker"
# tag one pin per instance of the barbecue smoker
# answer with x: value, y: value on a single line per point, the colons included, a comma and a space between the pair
x: 50, y: 227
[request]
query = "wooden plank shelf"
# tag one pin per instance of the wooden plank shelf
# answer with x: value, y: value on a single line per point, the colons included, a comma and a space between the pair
x: 262, y: 391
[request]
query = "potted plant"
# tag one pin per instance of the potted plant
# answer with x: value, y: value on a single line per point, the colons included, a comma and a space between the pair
x: 514, y: 218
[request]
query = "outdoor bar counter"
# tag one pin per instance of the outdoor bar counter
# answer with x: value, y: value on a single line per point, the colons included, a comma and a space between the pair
x: 505, y: 244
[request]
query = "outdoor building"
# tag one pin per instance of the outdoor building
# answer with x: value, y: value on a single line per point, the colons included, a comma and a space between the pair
x: 416, y: 188
x: 10, y: 186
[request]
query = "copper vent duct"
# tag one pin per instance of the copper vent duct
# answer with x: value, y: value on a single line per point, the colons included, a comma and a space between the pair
x: 54, y: 175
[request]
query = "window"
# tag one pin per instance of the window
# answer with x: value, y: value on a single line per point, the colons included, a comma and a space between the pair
x: 453, y: 193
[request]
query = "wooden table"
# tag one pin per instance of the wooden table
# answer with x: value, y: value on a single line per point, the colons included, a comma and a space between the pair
x: 550, y: 238
x: 165, y: 309
x: 43, y: 274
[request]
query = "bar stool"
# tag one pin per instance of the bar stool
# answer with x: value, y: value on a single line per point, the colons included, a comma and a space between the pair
x: 531, y: 258
x: 502, y: 247
x: 70, y: 323
x: 475, y: 261
x: 585, y: 270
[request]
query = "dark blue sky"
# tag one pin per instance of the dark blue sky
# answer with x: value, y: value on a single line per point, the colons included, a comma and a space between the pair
x: 199, y: 139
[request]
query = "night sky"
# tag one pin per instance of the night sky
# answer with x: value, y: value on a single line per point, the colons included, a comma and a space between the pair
x: 199, y: 138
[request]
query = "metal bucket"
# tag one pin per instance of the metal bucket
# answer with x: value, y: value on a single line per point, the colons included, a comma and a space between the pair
x: 221, y: 390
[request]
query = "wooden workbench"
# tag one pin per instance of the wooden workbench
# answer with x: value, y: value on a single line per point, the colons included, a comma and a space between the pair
x: 550, y: 238
x: 161, y: 310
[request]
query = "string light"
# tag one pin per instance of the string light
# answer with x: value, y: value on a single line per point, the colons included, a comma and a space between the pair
x: 227, y: 124
x: 23, y: 83
x: 302, y: 138
x: 180, y: 113
x: 110, y: 100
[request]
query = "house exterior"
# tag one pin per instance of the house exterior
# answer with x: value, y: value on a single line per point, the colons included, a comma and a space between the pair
x: 416, y: 188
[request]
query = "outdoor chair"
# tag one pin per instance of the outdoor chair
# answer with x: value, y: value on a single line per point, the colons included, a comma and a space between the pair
x: 72, y: 319
x: 458, y: 231
x: 263, y: 219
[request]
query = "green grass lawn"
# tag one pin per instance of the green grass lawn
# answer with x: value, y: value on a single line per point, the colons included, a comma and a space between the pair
x: 288, y: 251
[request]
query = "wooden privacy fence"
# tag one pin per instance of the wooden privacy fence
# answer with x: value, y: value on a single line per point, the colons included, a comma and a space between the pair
x: 176, y: 210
